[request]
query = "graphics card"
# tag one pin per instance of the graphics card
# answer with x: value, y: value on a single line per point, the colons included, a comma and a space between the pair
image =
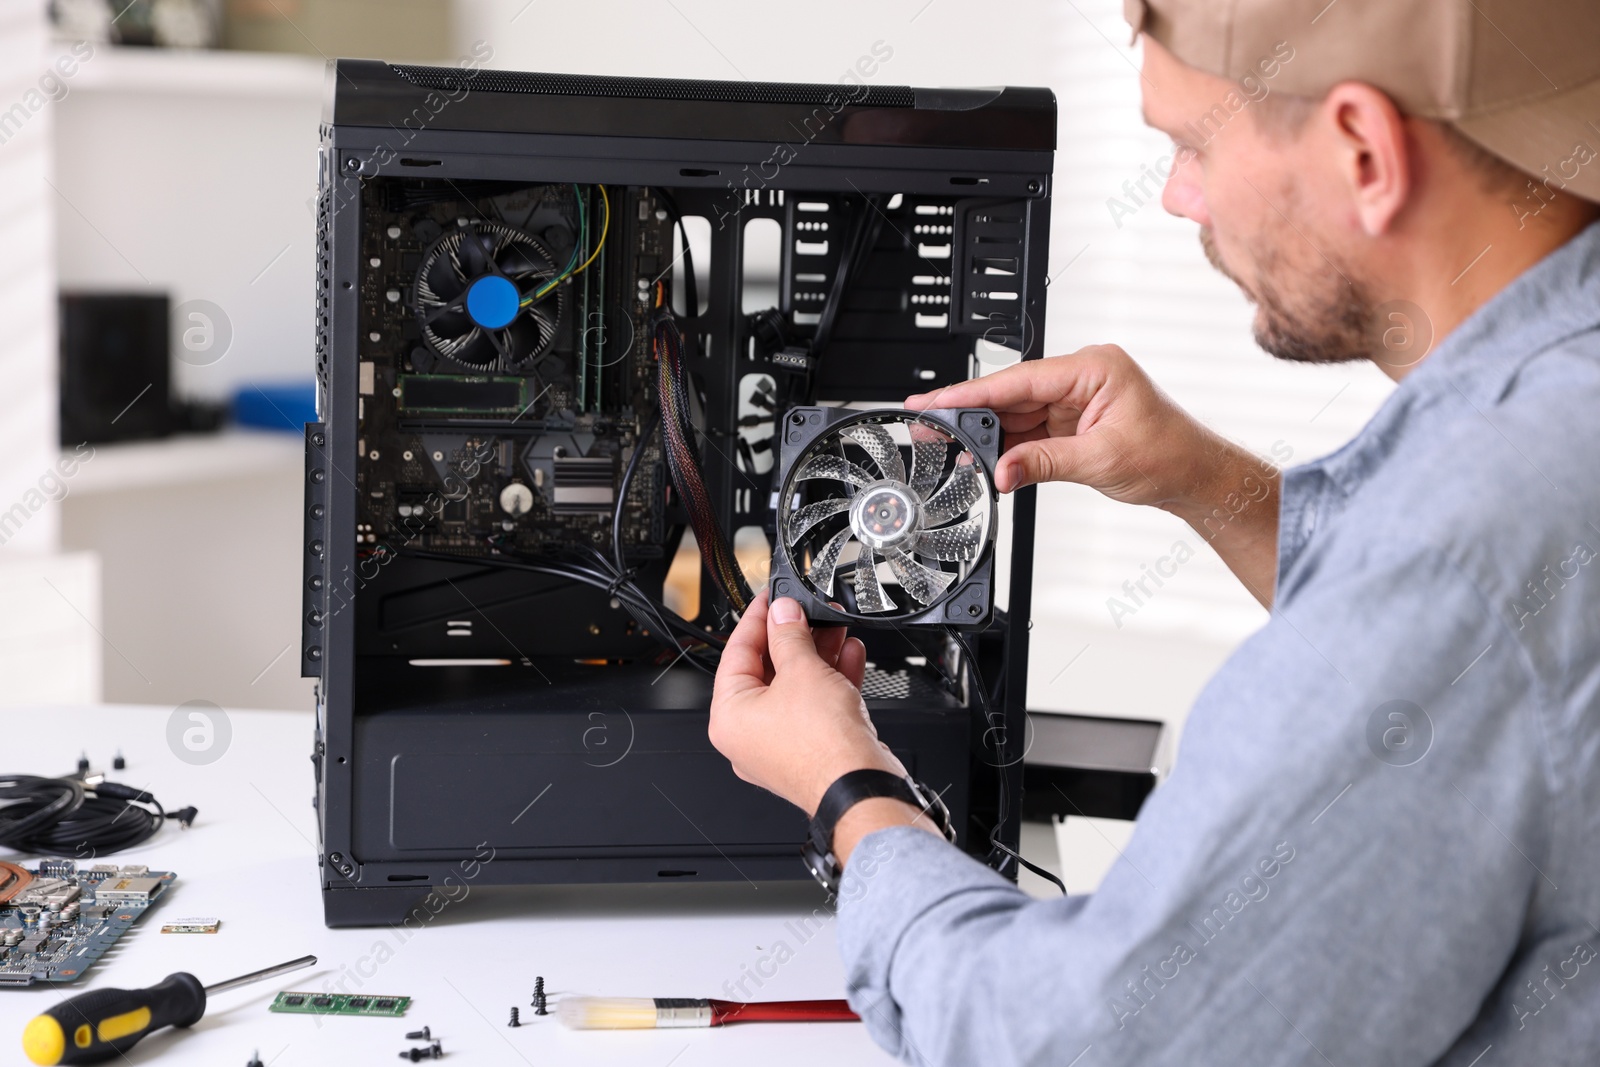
x: 887, y: 517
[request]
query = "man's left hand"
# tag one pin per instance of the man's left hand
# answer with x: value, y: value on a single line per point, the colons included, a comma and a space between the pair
x: 787, y: 708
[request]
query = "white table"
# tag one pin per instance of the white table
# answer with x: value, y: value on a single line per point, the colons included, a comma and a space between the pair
x: 250, y: 860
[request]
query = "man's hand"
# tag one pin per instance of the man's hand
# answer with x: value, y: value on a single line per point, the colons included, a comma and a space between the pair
x: 787, y: 708
x: 1096, y: 418
x: 787, y: 712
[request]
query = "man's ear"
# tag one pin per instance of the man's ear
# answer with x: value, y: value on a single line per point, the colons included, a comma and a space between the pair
x: 1372, y: 140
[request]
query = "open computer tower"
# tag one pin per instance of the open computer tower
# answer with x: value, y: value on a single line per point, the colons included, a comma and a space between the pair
x: 499, y: 518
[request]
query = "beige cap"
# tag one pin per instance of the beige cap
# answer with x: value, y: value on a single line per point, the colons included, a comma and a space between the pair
x: 1519, y: 77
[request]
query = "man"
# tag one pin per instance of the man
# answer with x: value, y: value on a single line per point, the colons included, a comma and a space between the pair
x: 1381, y: 841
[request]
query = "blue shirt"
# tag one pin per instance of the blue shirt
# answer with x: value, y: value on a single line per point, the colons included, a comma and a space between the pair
x: 1381, y: 841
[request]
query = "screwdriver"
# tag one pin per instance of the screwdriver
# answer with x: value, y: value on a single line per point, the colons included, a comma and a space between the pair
x: 104, y: 1023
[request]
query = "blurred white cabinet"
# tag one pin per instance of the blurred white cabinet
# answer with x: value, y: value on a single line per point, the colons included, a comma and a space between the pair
x: 50, y: 643
x: 199, y: 539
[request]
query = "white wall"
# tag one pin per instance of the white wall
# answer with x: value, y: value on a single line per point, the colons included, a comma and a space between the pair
x: 27, y: 277
x: 193, y: 174
x: 935, y: 42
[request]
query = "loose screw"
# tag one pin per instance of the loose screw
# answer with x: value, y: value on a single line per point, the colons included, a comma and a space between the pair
x: 538, y: 996
x: 425, y: 1034
x: 516, y: 1018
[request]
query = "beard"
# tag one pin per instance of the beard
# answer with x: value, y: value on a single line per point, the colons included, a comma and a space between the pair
x: 1306, y: 312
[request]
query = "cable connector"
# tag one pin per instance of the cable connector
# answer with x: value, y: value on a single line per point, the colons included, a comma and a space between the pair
x: 792, y: 357
x: 118, y: 791
x: 185, y: 816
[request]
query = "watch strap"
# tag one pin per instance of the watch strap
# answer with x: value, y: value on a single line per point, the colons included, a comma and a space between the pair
x: 850, y: 789
x: 846, y: 792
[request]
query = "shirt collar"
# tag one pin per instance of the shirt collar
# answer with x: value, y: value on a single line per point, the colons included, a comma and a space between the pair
x: 1549, y: 302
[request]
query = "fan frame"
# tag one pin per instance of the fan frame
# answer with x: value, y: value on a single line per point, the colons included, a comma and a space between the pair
x: 969, y: 602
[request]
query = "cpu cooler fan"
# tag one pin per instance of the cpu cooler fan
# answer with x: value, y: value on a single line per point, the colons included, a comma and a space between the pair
x: 470, y: 296
x: 867, y: 537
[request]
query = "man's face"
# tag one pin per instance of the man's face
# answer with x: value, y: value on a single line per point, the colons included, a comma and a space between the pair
x: 1254, y: 191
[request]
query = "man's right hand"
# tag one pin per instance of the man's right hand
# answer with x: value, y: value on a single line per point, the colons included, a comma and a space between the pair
x: 1097, y: 419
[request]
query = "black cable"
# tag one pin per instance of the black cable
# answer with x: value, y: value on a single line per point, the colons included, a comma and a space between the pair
x: 69, y: 817
x: 661, y: 622
x: 970, y: 662
x: 862, y: 237
x: 691, y: 297
x: 622, y: 489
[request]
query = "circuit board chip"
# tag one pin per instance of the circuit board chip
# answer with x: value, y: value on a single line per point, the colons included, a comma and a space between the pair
x: 339, y: 1004
x: 191, y: 926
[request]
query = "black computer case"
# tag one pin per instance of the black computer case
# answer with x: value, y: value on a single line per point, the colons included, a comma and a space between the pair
x: 485, y: 718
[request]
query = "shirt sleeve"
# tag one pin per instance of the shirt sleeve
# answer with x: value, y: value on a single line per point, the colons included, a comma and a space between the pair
x: 1337, y: 870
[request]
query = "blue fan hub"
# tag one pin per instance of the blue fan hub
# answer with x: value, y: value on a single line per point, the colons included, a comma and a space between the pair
x: 493, y: 301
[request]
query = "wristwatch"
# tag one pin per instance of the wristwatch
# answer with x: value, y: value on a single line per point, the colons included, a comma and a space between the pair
x: 849, y: 790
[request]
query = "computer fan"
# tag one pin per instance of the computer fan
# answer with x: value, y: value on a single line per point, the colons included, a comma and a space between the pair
x: 864, y: 536
x: 473, y: 296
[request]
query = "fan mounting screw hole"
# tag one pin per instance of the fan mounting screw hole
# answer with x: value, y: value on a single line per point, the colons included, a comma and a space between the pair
x: 798, y: 418
x: 974, y: 610
x: 986, y: 422
x: 438, y: 457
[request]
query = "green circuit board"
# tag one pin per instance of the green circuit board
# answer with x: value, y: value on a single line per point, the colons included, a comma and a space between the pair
x: 299, y: 1003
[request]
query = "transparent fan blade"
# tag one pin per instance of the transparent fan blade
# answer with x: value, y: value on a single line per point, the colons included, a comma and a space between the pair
x: 922, y: 583
x: 881, y: 447
x: 870, y: 596
x: 959, y: 492
x: 958, y: 543
x: 929, y: 449
x: 811, y: 514
x: 824, y: 563
x: 837, y: 468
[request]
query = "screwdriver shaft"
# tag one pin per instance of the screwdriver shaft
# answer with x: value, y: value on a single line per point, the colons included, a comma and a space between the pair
x: 256, y: 976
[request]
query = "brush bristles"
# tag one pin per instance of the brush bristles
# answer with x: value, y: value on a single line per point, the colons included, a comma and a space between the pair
x: 607, y: 1013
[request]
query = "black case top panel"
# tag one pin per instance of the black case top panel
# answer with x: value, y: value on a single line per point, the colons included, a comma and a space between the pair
x: 371, y: 93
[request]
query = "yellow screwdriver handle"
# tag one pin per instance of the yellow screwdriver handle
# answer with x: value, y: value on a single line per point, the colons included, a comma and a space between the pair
x: 103, y: 1023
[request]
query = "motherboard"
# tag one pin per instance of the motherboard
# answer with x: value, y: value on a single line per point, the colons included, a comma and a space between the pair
x: 57, y: 920
x: 505, y: 375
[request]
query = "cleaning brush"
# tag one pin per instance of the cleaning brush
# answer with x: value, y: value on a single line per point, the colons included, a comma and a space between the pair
x: 641, y: 1013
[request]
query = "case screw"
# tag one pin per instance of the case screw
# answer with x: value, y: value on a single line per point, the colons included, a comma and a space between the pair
x: 538, y: 996
x: 425, y: 1034
x: 516, y: 1018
